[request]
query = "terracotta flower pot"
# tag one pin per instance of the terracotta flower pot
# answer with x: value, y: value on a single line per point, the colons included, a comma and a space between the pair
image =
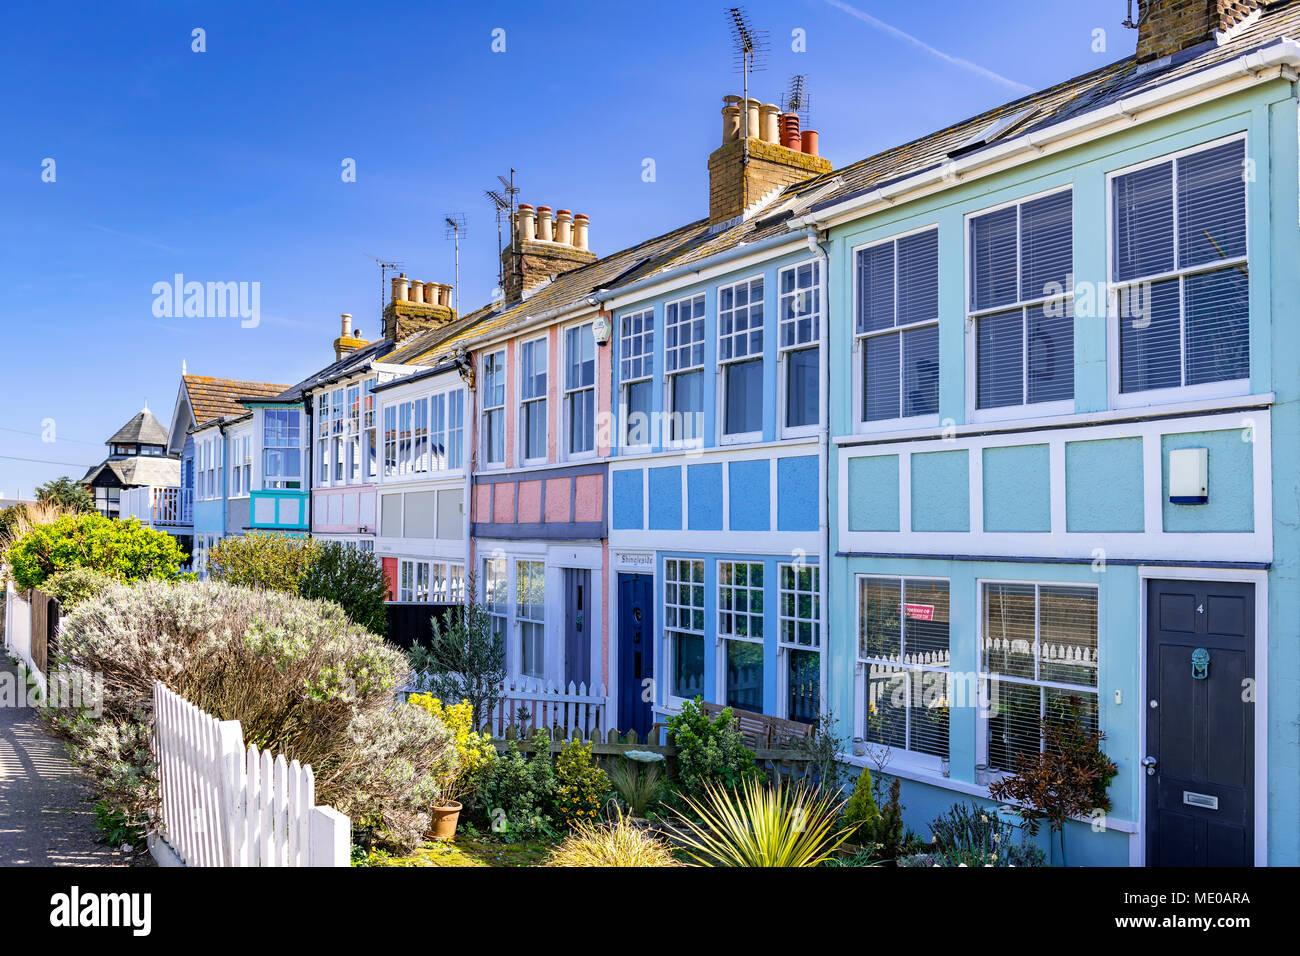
x: 445, y: 818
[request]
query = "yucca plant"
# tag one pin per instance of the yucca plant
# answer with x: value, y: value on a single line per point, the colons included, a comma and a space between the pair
x: 618, y: 843
x: 637, y: 784
x: 757, y: 825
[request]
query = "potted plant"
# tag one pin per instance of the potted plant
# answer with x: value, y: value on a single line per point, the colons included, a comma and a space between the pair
x: 460, y: 777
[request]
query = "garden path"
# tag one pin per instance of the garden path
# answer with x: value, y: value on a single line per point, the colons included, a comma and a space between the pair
x: 45, y: 816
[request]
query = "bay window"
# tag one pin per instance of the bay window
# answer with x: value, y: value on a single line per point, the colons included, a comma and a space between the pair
x: 636, y: 373
x: 896, y: 327
x: 532, y: 407
x: 1038, y: 648
x: 740, y: 358
x: 799, y: 308
x: 281, y: 452
x: 740, y: 633
x: 1179, y: 270
x: 1020, y: 303
x: 903, y: 653
x: 684, y: 626
x: 684, y: 367
x: 580, y: 388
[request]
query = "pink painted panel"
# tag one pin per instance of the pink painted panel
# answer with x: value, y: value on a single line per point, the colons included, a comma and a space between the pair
x: 505, y: 502
x: 530, y: 501
x: 587, y: 506
x: 557, y: 499
x: 483, y: 503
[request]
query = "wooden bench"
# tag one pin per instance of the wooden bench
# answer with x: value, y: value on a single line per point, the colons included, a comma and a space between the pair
x: 764, y: 732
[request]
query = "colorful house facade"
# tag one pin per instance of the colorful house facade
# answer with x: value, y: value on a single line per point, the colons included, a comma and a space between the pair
x: 1063, y: 411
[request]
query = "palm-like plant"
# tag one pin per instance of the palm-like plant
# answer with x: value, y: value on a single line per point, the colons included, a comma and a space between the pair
x: 757, y: 825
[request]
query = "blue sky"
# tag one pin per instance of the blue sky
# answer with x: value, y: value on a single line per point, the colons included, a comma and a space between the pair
x: 225, y: 165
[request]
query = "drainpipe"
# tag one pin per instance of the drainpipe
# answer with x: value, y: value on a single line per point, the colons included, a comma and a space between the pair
x: 823, y: 454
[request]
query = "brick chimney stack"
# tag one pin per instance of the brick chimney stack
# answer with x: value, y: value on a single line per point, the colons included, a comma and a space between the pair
x: 543, y: 244
x: 416, y: 306
x: 1167, y: 26
x: 778, y: 155
x: 349, y: 341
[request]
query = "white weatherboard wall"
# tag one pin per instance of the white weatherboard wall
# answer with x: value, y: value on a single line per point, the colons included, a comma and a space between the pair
x: 223, y: 805
x: 18, y: 632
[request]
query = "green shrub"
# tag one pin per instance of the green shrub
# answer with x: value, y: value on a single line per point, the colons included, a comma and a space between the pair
x: 76, y: 586
x: 351, y: 578
x: 66, y: 493
x: 580, y: 786
x: 302, y: 679
x: 121, y: 549
x: 710, y: 751
x: 619, y: 843
x: 262, y: 560
x: 861, y: 812
x: 517, y: 793
x: 465, y: 659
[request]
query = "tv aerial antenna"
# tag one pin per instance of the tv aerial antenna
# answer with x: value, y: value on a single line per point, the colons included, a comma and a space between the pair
x: 501, y: 205
x: 797, y: 100
x: 384, y: 266
x: 749, y: 54
x: 1143, y: 9
x: 455, y: 230
x: 504, y: 200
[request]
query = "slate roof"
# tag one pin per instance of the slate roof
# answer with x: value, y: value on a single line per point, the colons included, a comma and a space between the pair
x: 139, y: 470
x: 349, y: 363
x: 216, y: 398
x: 144, y: 428
x: 696, y: 241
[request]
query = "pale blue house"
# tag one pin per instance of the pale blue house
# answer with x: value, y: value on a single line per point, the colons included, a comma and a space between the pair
x: 1065, y: 442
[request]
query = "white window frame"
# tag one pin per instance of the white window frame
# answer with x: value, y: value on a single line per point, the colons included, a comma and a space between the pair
x: 722, y: 637
x: 669, y: 646
x: 322, y: 437
x: 1183, y: 393
x: 913, y: 759
x: 520, y: 621
x: 784, y: 351
x: 982, y: 722
x: 498, y: 610
x: 485, y: 462
x: 370, y: 427
x: 860, y: 423
x: 646, y: 337
x: 785, y: 647
x: 666, y: 439
x: 1025, y: 409
x: 720, y: 388
x: 570, y: 395
x: 544, y: 401
x: 241, y: 464
x: 352, y: 466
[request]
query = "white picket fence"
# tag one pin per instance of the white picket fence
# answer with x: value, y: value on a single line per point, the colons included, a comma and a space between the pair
x: 18, y: 632
x: 574, y: 710
x: 224, y: 805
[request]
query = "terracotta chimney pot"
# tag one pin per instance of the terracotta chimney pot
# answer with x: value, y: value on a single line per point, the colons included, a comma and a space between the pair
x: 809, y: 141
x: 347, y: 325
x: 790, y: 138
x: 544, y: 224
x: 402, y: 288
x: 417, y: 291
x: 527, y: 222
x: 752, y: 108
x: 564, y: 227
x: 580, y: 225
x: 769, y: 112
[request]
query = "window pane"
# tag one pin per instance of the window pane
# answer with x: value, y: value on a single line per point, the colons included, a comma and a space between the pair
x: 801, y: 388
x: 636, y: 413
x: 1218, y: 326
x: 921, y: 371
x: 1046, y: 246
x: 1009, y: 629
x: 1068, y: 635
x: 744, y: 409
x: 1144, y: 222
x: 745, y: 675
x: 535, y: 429
x: 881, y: 634
x: 993, y: 259
x: 533, y: 361
x: 1051, y: 352
x: 880, y: 393
x: 580, y: 353
x: 1013, y: 723
x: 876, y: 288
x: 688, y: 406
x: 886, y: 717
x: 582, y: 420
x: 1150, y: 342
x: 1212, y: 205
x: 999, y: 374
x: 688, y: 665
x: 803, y: 701
x: 928, y: 723
x: 925, y: 623
x: 918, y: 277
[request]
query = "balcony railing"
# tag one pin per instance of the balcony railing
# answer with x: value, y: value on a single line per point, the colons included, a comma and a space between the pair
x: 167, y: 507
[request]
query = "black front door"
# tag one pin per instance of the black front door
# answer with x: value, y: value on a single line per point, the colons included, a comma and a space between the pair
x: 635, y: 652
x: 1200, y: 724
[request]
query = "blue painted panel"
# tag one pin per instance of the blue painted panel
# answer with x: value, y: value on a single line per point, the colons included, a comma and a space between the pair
x: 873, y: 493
x: 941, y: 491
x: 749, y: 495
x: 666, y: 499
x: 1231, y: 466
x: 798, y: 493
x: 629, y: 500
x: 1017, y: 489
x: 704, y: 497
x: 1103, y: 485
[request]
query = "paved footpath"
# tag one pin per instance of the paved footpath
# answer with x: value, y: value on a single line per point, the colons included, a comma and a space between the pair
x: 46, y: 818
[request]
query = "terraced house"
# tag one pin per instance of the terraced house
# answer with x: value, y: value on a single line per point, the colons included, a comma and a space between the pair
x: 1065, y: 431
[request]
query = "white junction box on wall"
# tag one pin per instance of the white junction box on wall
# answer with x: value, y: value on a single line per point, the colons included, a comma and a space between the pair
x: 1189, y: 476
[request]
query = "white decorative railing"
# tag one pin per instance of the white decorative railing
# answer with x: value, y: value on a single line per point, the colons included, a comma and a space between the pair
x: 170, y: 506
x: 223, y: 805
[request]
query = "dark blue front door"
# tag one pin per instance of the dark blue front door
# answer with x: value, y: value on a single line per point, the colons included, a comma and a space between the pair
x: 635, y: 652
x: 1199, y: 765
